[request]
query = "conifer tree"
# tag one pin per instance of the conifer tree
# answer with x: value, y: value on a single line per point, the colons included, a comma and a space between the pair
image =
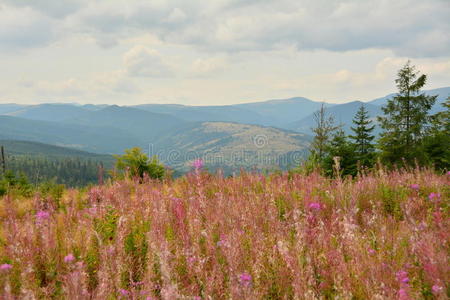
x: 362, y: 138
x: 341, y: 149
x: 322, y: 134
x: 437, y: 142
x: 405, y: 119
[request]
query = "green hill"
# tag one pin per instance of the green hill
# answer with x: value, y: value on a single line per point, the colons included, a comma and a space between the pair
x: 83, y: 137
x: 231, y: 146
x: 41, y: 162
x: 35, y: 149
x: 144, y: 125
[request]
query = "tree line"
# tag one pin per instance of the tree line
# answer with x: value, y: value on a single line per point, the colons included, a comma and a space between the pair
x: 29, y: 171
x: 410, y: 135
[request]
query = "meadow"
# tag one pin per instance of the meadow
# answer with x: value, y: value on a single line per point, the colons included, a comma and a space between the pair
x: 383, y: 235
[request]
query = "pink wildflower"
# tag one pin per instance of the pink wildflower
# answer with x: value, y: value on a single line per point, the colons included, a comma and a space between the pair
x: 42, y: 215
x: 198, y: 164
x: 401, y: 275
x: 436, y: 289
x: 403, y: 294
x: 245, y: 279
x: 315, y: 206
x: 124, y: 292
x: 432, y: 196
x: 5, y: 267
x: 414, y: 186
x: 371, y: 252
x: 69, y: 258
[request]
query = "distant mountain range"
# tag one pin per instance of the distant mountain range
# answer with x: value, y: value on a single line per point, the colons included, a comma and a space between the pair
x: 280, y: 126
x: 343, y: 115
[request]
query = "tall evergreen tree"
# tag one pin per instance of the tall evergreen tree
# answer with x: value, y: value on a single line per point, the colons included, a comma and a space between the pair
x: 362, y: 138
x: 405, y: 118
x: 341, y: 149
x: 437, y: 142
x: 322, y: 134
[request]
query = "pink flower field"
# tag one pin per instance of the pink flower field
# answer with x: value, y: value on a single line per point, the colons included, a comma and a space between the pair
x: 202, y: 236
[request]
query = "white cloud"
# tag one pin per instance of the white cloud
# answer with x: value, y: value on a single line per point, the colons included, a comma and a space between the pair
x: 218, y: 52
x: 208, y: 66
x: 407, y: 27
x: 176, y: 16
x: 22, y: 28
x: 140, y: 61
x: 68, y: 88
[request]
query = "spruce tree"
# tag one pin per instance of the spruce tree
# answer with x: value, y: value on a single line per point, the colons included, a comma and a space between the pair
x: 405, y: 119
x: 362, y: 138
x: 437, y: 142
x: 340, y: 148
x: 322, y: 134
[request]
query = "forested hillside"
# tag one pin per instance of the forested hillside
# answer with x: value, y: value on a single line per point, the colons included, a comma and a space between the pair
x: 41, y: 162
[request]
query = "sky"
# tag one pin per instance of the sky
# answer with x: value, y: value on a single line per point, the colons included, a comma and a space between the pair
x: 217, y: 52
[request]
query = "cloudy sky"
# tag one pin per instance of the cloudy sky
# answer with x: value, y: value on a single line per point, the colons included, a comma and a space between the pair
x: 214, y: 52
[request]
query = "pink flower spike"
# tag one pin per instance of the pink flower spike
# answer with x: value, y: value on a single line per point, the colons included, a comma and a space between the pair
x: 42, y: 215
x: 124, y: 292
x: 245, y: 279
x: 198, y: 164
x: 403, y: 295
x: 433, y: 196
x: 436, y: 289
x: 5, y: 267
x: 371, y: 252
x: 315, y: 206
x: 69, y: 258
x: 414, y: 186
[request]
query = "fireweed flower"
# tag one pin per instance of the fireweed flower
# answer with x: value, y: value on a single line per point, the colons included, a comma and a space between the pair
x: 69, y: 258
x: 5, y: 267
x: 198, y: 164
x: 403, y: 295
x: 402, y: 276
x: 245, y: 279
x: 124, y: 292
x: 315, y: 206
x: 433, y: 196
x: 436, y: 289
x: 414, y: 186
x: 42, y: 215
x: 371, y: 251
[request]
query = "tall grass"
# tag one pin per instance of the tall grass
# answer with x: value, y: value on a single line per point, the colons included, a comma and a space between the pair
x: 284, y: 236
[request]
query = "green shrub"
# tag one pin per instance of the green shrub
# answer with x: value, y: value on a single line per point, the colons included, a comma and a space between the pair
x: 135, y: 163
x: 50, y: 189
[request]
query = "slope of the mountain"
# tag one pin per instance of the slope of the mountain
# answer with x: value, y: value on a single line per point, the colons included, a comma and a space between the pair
x: 225, y: 113
x: 282, y: 112
x: 51, y: 152
x: 278, y: 113
x: 48, y: 112
x: 10, y: 107
x: 231, y: 145
x: 94, y: 107
x: 83, y: 137
x: 342, y: 114
x: 18, y: 147
x: 142, y: 124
